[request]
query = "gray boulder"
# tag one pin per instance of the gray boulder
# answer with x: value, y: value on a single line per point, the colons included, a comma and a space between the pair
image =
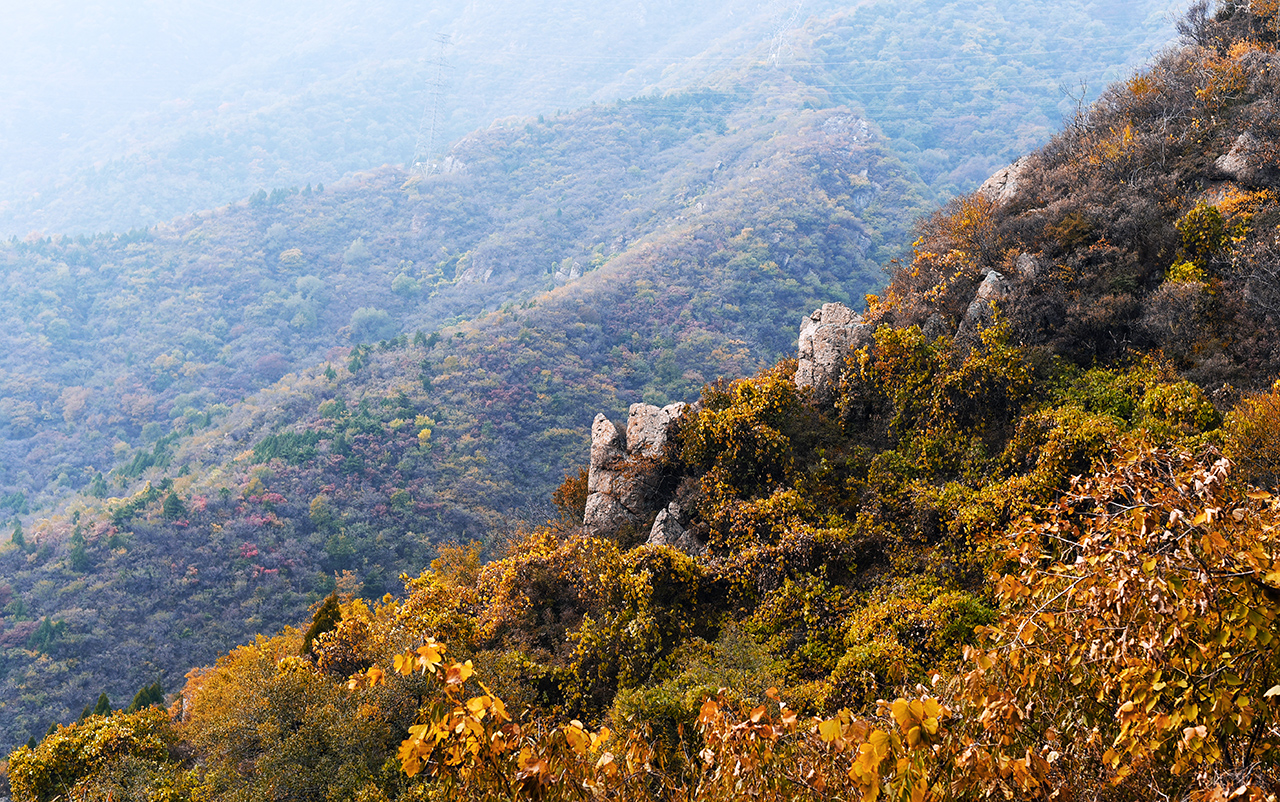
x: 1028, y: 266
x: 622, y: 488
x: 1247, y: 163
x: 994, y: 288
x: 827, y: 336
x: 1002, y: 187
x: 668, y: 530
x: 648, y: 427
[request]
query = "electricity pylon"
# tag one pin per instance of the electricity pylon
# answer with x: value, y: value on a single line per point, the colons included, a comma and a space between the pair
x: 429, y: 126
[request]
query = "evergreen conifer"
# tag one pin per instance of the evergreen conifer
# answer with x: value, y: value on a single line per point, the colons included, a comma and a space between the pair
x: 173, y: 507
x: 326, y: 618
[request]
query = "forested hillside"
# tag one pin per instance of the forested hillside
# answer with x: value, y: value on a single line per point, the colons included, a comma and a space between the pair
x: 622, y: 252
x: 122, y: 117
x: 691, y: 274
x: 122, y: 341
x: 1019, y: 541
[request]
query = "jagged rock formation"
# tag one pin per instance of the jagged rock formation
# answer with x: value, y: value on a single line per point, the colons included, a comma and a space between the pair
x: 621, y: 487
x: 995, y: 287
x: 1003, y: 185
x: 826, y: 338
x: 649, y: 428
x: 1246, y: 162
x: 1028, y: 266
x: 669, y: 530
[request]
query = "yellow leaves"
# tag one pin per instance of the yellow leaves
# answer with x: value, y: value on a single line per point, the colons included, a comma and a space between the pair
x: 918, y: 719
x: 372, y: 677
x: 829, y: 730
x: 789, y: 719
x: 608, y: 765
x: 458, y: 673
x: 429, y: 655
x: 865, y: 770
x: 534, y: 770
x: 414, y: 749
x: 1192, y: 734
x: 901, y: 713
x: 425, y: 658
x: 1127, y: 713
x: 577, y: 737
x: 707, y: 714
x: 1143, y: 84
x: 478, y: 706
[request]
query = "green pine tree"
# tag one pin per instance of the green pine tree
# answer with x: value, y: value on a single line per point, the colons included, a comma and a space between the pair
x: 173, y: 507
x: 45, y: 635
x: 326, y: 618
x: 79, y: 554
x: 103, y: 707
x: 17, y: 538
x: 146, y: 696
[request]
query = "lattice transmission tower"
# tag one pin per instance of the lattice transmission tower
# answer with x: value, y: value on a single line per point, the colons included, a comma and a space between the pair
x: 429, y: 126
x: 779, y: 45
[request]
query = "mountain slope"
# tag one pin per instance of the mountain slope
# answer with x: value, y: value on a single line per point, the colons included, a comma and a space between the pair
x: 1028, y: 527
x: 318, y: 474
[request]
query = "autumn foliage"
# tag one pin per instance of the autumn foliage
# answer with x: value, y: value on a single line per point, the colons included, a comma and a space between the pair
x: 1029, y: 554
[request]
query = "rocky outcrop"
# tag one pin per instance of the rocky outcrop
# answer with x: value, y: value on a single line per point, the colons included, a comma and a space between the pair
x: 669, y: 530
x: 1247, y: 163
x: 994, y: 288
x: 827, y: 336
x: 648, y: 427
x: 1028, y: 266
x: 605, y: 485
x: 1003, y: 186
x: 622, y: 487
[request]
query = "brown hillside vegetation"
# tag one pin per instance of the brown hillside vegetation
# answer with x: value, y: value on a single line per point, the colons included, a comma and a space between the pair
x: 1150, y: 224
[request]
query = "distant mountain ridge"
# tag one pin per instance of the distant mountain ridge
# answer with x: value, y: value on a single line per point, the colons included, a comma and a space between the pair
x: 123, y: 120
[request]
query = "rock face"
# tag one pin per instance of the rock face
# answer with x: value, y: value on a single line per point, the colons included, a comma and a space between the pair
x: 668, y: 530
x: 826, y: 338
x: 1246, y: 163
x: 1028, y: 266
x: 620, y: 489
x: 648, y: 427
x: 994, y: 288
x: 1003, y: 186
x: 604, y: 489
